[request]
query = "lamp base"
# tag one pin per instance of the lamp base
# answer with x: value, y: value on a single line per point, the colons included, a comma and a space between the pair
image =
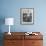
x: 9, y: 33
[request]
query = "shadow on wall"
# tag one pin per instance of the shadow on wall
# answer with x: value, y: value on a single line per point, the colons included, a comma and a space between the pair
x: 2, y: 21
x: 1, y: 39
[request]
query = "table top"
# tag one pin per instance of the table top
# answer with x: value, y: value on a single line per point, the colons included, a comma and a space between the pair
x: 22, y: 35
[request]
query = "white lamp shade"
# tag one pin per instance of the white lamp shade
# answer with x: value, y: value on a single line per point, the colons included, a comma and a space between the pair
x: 9, y: 21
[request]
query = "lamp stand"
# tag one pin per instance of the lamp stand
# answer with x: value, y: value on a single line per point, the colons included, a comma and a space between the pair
x: 9, y: 30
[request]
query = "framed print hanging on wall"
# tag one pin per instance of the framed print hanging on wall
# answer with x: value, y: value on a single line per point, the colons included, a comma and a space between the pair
x: 27, y: 15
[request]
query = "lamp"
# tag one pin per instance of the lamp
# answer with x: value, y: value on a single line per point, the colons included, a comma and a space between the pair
x: 9, y: 21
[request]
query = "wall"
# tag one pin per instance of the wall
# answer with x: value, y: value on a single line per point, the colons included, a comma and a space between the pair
x: 11, y: 8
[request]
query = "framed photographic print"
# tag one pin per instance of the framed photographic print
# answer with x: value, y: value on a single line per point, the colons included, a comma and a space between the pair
x: 27, y: 15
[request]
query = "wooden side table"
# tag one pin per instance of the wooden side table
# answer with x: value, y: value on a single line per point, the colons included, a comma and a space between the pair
x: 20, y: 39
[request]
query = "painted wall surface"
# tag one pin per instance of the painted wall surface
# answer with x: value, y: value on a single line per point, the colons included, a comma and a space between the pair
x: 11, y: 8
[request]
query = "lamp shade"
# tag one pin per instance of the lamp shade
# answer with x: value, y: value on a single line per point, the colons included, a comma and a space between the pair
x: 9, y: 21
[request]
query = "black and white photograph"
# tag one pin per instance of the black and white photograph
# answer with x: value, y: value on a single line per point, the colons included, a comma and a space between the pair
x: 27, y: 15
